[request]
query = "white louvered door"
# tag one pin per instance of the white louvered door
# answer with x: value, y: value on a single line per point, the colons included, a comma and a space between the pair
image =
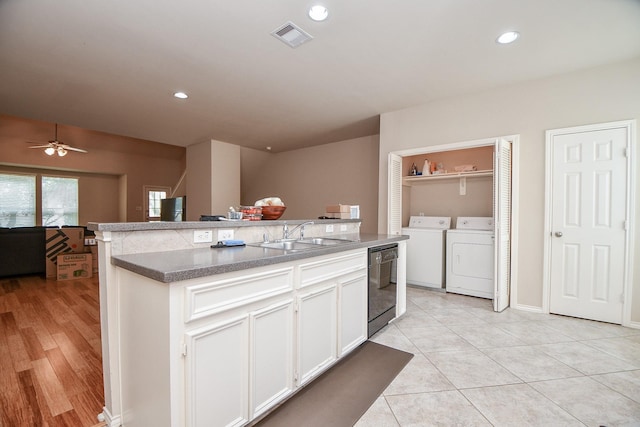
x: 502, y: 218
x: 394, y: 205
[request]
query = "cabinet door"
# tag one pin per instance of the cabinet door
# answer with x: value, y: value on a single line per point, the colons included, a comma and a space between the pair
x: 271, y: 355
x: 216, y: 377
x: 353, y: 312
x: 317, y: 331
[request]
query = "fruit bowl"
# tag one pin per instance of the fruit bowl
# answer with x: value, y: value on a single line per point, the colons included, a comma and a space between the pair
x: 272, y: 212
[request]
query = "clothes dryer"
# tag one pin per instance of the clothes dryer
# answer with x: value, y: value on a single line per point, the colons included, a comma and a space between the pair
x: 426, y: 250
x: 470, y: 257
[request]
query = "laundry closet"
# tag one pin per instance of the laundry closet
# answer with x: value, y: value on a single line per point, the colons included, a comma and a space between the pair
x: 468, y: 184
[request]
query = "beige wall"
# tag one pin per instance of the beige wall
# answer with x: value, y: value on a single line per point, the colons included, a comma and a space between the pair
x: 603, y: 94
x: 213, y: 178
x: 309, y: 179
x: 112, y: 173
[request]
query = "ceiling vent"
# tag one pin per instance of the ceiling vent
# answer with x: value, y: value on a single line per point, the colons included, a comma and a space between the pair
x: 291, y: 34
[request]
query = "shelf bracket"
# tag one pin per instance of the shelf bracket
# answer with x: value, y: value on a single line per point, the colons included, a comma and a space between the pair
x: 463, y: 186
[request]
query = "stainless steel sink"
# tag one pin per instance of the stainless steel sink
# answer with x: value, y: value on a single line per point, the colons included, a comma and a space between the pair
x: 301, y: 245
x: 286, y: 245
x: 325, y: 241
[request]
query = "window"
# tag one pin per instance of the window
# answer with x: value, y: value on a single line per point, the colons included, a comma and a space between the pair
x: 154, y: 202
x: 59, y: 201
x: 153, y: 196
x: 17, y: 200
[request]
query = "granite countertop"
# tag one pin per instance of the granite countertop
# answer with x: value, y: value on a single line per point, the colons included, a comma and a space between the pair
x: 173, y: 266
x: 177, y: 225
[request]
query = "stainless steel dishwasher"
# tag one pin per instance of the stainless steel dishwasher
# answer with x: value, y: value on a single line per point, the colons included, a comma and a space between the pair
x: 382, y: 287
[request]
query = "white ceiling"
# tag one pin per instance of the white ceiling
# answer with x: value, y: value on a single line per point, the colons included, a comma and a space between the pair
x: 113, y: 65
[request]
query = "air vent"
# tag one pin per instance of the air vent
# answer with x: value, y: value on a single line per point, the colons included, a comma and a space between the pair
x: 291, y: 34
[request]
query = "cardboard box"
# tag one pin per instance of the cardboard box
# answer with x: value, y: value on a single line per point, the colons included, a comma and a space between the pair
x: 60, y: 241
x: 74, y: 266
x: 94, y: 254
x: 339, y: 208
x: 339, y: 215
x: 339, y: 211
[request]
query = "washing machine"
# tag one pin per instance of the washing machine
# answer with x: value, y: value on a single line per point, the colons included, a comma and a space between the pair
x: 470, y: 254
x: 426, y: 250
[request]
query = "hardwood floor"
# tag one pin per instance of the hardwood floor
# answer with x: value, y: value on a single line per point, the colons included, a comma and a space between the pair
x: 50, y: 352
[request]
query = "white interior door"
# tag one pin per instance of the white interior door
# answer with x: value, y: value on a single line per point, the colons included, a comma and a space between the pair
x: 502, y: 219
x: 588, y: 214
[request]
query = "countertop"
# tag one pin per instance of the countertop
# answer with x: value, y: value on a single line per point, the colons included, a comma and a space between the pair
x: 177, y: 265
x: 170, y: 225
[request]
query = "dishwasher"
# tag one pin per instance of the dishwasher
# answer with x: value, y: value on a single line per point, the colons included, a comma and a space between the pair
x: 382, y: 286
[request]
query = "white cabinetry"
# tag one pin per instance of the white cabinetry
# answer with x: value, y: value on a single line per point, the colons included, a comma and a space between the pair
x: 223, y: 350
x: 352, y: 293
x: 271, y: 355
x: 239, y: 363
x: 317, y: 332
x: 216, y: 374
x: 332, y: 311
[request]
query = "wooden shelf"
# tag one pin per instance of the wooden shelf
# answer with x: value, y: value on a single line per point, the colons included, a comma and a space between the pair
x: 408, y: 180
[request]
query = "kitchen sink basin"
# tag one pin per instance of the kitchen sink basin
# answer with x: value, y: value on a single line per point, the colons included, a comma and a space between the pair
x: 301, y: 245
x: 287, y: 245
x: 325, y: 241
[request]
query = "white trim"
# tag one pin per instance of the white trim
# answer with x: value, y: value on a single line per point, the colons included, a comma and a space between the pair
x: 109, y: 420
x: 454, y: 146
x: 631, y: 215
x: 634, y: 325
x: 630, y: 125
x: 515, y: 215
x: 528, y: 308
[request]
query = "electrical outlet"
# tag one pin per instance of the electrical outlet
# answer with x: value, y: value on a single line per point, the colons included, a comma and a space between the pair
x: 202, y: 236
x: 343, y: 227
x: 225, y: 235
x: 329, y: 228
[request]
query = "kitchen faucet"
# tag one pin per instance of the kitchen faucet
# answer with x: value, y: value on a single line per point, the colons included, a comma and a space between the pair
x: 286, y: 232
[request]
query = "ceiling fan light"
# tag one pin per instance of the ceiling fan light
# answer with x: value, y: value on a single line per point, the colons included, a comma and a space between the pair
x: 49, y: 151
x: 62, y: 152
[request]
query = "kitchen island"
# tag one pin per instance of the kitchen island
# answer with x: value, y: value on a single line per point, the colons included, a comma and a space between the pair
x: 201, y: 336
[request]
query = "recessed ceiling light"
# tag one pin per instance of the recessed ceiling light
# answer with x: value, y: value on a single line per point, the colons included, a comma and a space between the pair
x: 181, y: 95
x: 508, y: 37
x: 318, y: 13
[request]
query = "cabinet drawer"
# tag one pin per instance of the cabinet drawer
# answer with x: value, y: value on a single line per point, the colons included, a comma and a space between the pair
x: 218, y: 296
x: 321, y: 270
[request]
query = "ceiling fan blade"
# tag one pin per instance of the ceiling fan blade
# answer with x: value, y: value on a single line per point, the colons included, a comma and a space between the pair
x: 79, y: 150
x: 40, y: 146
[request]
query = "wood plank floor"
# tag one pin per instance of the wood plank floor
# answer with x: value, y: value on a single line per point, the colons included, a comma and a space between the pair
x: 50, y: 352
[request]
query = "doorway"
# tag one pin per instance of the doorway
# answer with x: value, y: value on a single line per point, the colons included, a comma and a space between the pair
x: 589, y: 189
x: 503, y: 175
x: 152, y: 199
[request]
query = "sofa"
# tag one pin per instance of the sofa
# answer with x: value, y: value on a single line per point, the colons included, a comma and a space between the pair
x: 22, y: 251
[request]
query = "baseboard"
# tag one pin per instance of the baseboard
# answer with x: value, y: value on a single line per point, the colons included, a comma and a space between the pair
x: 108, y: 419
x: 529, y: 308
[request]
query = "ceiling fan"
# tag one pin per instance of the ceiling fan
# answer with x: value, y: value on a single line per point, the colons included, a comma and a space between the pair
x: 56, y: 146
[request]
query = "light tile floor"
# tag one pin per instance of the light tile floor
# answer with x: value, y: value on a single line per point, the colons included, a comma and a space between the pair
x: 474, y: 367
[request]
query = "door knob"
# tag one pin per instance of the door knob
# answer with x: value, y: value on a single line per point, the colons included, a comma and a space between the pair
x: 558, y: 233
